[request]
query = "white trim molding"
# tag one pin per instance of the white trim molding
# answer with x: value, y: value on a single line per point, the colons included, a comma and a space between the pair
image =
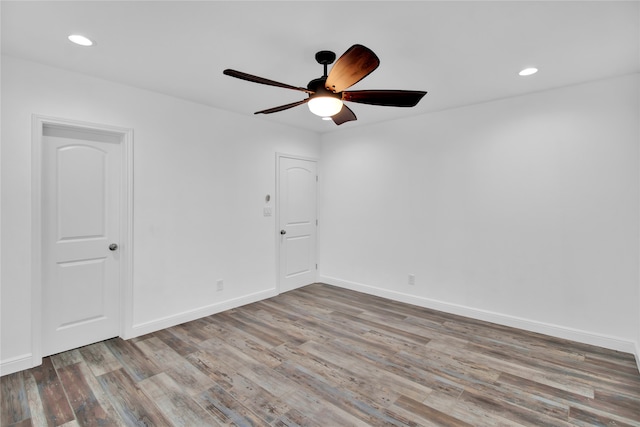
x: 15, y: 364
x: 585, y: 337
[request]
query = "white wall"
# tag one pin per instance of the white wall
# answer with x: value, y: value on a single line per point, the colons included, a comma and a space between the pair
x: 200, y: 180
x: 522, y: 211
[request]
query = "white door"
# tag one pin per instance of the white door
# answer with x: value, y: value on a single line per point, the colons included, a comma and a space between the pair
x: 297, y: 209
x: 81, y: 219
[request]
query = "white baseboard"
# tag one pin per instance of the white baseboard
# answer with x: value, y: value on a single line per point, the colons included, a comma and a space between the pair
x: 585, y: 337
x: 16, y: 364
x: 187, y: 316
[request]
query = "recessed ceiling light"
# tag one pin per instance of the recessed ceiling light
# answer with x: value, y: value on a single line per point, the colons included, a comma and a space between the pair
x: 80, y: 40
x: 528, y: 71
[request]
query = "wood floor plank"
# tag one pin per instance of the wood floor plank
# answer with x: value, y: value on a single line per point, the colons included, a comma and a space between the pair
x: 613, y: 362
x: 467, y: 411
x: 184, y: 373
x: 178, y: 407
x: 67, y: 358
x: 360, y: 406
x: 456, y: 369
x: 52, y: 393
x: 257, y: 351
x: 192, y: 332
x: 259, y: 334
x: 137, y: 364
x: 212, y: 366
x: 568, y: 371
x: 577, y: 403
x: 249, y: 320
x: 269, y: 379
x: 625, y: 405
x: 400, y: 385
x: 99, y: 359
x: 271, y: 410
x: 317, y: 411
x: 280, y: 319
x: 36, y: 408
x: 259, y: 400
x: 384, y: 362
x: 330, y: 357
x: 88, y: 409
x: 428, y: 413
x: 227, y: 410
x: 538, y: 374
x: 518, y: 383
x: 584, y: 417
x: 24, y: 423
x: 130, y: 402
x: 516, y: 398
x: 380, y: 325
x: 521, y: 415
x: 420, y: 331
x: 175, y: 338
x: 294, y: 418
x: 343, y: 375
x: 13, y: 400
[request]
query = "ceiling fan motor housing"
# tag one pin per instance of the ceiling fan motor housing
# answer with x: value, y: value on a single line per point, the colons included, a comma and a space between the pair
x: 318, y: 86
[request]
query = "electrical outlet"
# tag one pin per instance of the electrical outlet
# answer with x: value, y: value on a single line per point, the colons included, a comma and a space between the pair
x: 220, y: 285
x: 412, y: 279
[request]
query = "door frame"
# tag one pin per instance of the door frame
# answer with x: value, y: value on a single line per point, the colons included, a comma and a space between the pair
x: 125, y: 317
x: 277, y: 204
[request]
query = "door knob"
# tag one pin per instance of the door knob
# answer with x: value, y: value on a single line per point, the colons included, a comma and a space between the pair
x: 113, y: 247
x: 283, y: 231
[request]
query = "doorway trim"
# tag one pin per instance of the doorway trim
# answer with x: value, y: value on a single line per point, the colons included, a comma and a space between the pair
x: 277, y: 217
x: 125, y: 320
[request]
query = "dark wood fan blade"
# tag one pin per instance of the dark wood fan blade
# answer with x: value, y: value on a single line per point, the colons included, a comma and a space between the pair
x: 345, y: 115
x: 262, y: 80
x: 282, y: 107
x: 354, y: 65
x: 387, y: 98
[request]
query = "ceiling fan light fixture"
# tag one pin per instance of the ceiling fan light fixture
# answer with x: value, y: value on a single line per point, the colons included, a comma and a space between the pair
x: 325, y: 106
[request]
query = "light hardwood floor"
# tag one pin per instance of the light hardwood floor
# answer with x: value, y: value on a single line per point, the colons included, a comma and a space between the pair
x: 324, y: 356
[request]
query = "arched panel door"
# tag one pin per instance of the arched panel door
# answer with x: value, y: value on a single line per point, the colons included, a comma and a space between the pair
x: 81, y: 227
x: 297, y: 207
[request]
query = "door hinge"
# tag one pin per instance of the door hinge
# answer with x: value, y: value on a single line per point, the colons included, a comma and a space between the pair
x: 316, y: 266
x: 316, y: 222
x: 316, y: 178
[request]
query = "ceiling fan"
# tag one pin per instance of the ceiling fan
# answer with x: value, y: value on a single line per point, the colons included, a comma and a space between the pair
x: 327, y: 93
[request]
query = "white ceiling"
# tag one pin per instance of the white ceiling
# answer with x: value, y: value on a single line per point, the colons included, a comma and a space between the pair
x: 460, y: 52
